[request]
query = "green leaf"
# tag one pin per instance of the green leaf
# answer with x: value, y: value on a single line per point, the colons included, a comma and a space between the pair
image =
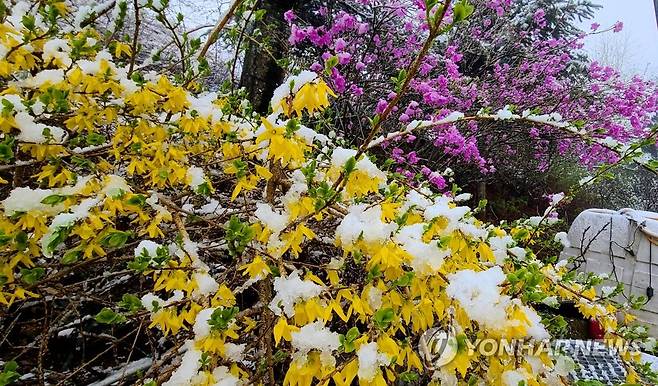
x: 130, y: 302
x: 94, y: 139
x: 7, y: 108
x: 461, y: 11
x: 115, y: 239
x: 221, y: 318
x: 347, y: 341
x: 352, y: 334
x: 330, y: 63
x: 71, y: 257
x: 29, y: 22
x: 258, y: 15
x: 21, y: 240
x: 384, y: 317
x: 9, y: 373
x: 4, y: 239
x: 409, y: 376
x: 107, y: 316
x: 54, y: 199
x: 203, y: 189
x: 238, y: 235
x: 137, y: 200
x: 350, y: 165
x: 405, y: 280
x: 6, y: 152
x: 32, y: 276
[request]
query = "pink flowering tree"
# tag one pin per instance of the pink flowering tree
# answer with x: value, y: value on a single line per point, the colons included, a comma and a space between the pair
x: 477, y: 84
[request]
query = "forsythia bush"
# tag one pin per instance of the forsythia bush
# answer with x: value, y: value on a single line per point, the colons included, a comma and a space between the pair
x: 267, y: 245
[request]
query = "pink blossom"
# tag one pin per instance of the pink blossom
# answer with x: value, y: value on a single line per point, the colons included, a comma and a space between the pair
x: 539, y: 18
x: 356, y: 90
x: 297, y: 34
x: 618, y: 26
x: 340, y: 44
x: 344, y: 57
x: 381, y: 106
x: 435, y: 178
x: 412, y: 158
x: 289, y: 16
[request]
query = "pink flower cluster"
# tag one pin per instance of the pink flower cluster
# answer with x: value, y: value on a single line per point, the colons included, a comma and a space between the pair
x: 484, y: 65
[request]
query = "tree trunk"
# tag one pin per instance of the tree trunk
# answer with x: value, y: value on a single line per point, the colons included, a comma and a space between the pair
x: 261, y: 73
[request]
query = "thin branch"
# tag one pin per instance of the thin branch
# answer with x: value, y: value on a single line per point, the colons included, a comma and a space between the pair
x: 135, y: 38
x: 219, y: 26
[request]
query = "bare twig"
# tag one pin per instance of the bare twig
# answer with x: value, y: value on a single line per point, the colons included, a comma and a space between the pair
x: 219, y: 26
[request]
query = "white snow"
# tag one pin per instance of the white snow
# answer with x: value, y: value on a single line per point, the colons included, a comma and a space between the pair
x: 427, y: 258
x: 212, y: 207
x: 284, y: 90
x: 415, y: 199
x: 62, y: 220
x: 309, y: 135
x: 38, y: 108
x: 207, y: 285
x: 479, y: 295
x: 291, y: 290
x: 562, y: 238
x: 151, y: 248
x: 201, y: 327
x: 234, y: 352
x: 518, y: 252
x: 513, y: 378
x: 375, y: 298
x: 369, y: 361
x: 77, y: 213
x: 189, y: 367
x: 148, y: 300
x: 551, y: 301
x: 505, y: 113
x: 442, y: 208
x: 33, y: 132
x: 195, y: 176
x: 203, y: 104
x: 152, y: 201
x: 536, y: 329
x: 14, y: 100
x: 115, y: 186
x: 26, y: 199
x: 315, y: 336
x: 57, y: 49
x: 607, y: 290
x: 556, y: 198
x: 499, y: 245
x: 273, y: 220
x: 363, y: 221
x: 44, y: 77
x: 341, y: 155
x: 223, y: 377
